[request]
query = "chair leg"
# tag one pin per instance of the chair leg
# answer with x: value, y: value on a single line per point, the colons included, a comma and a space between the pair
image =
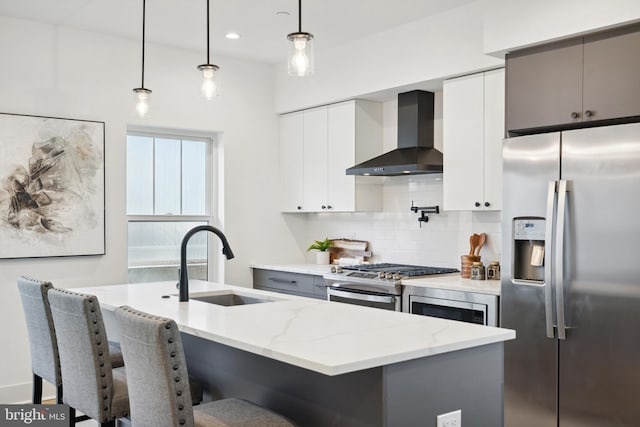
x: 72, y: 417
x: 59, y: 394
x: 111, y: 423
x: 37, y: 389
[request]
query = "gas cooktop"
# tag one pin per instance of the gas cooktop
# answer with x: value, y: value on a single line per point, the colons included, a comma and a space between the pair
x: 401, y: 269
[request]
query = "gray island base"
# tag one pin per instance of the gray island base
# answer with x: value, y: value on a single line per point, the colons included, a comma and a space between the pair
x: 404, y: 394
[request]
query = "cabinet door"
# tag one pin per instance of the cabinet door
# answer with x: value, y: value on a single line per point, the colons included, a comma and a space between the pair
x: 611, y: 75
x: 493, y: 136
x: 463, y: 124
x: 291, y: 162
x: 544, y: 86
x: 341, y: 155
x: 315, y: 160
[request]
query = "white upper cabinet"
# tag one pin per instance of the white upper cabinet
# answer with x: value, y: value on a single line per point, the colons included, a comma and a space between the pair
x: 473, y: 129
x: 291, y: 162
x: 326, y: 141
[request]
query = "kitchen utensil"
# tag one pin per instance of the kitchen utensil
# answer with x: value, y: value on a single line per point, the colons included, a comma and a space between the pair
x: 473, y: 242
x: 481, y: 240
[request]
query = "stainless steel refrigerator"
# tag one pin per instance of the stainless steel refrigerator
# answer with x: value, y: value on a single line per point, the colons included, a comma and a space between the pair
x: 571, y: 278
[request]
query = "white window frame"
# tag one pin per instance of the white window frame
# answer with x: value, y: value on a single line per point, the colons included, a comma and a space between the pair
x: 211, y: 190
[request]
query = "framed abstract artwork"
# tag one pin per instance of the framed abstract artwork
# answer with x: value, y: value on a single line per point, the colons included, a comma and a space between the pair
x: 52, y: 197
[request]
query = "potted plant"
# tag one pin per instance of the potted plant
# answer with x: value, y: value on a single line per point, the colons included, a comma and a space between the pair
x: 321, y: 246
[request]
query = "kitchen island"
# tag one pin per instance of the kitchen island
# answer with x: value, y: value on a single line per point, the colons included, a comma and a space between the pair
x: 323, y: 363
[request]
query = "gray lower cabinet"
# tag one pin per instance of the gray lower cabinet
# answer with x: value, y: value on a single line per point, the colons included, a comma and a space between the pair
x: 573, y: 82
x: 306, y: 285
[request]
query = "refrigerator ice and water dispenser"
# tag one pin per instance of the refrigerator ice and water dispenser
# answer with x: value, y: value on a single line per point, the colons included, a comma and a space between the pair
x: 528, y: 249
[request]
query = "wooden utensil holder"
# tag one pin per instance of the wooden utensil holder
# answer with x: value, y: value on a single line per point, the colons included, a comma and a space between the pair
x: 465, y: 264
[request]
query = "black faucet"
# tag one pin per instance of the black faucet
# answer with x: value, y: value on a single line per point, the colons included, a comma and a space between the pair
x: 184, y: 274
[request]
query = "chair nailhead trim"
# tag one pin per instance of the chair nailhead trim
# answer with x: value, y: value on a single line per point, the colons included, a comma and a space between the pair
x: 182, y: 422
x: 180, y: 407
x: 177, y: 379
x: 179, y: 392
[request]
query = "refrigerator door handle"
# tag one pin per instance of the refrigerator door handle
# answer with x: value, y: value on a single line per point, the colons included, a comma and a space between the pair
x: 548, y: 239
x: 559, y: 253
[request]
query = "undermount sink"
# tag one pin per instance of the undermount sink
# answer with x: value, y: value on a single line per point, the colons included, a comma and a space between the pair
x: 230, y: 299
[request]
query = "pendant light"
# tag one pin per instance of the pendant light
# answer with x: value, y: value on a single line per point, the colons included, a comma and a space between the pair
x: 300, y: 58
x: 142, y: 94
x: 209, y: 86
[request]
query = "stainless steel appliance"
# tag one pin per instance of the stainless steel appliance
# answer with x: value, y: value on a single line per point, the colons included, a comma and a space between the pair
x: 571, y: 278
x: 472, y: 307
x: 374, y: 285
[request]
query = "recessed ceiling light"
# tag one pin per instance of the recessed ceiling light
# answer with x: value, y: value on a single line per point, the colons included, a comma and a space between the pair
x: 232, y: 36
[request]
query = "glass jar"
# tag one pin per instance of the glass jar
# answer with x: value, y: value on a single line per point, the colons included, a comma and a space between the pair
x: 477, y: 271
x: 493, y: 271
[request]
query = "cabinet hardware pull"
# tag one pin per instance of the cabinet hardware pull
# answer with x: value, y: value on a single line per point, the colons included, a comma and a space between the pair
x: 299, y: 207
x: 329, y: 207
x: 575, y: 115
x: 477, y: 204
x: 588, y: 113
x: 286, y: 282
x: 324, y: 207
x: 487, y: 204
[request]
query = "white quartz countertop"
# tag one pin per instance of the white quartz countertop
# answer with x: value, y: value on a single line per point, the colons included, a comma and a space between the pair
x: 455, y: 282
x: 327, y: 337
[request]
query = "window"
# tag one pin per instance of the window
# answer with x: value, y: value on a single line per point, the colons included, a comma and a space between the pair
x: 169, y: 191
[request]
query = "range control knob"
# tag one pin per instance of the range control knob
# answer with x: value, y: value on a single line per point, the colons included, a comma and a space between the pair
x: 382, y: 275
x: 397, y: 276
x: 334, y: 269
x: 339, y: 270
x: 389, y: 275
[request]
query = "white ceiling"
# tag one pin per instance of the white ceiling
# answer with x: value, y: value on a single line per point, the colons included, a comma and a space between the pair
x: 182, y: 23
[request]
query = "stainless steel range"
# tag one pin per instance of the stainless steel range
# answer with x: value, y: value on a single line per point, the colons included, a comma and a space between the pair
x: 374, y: 285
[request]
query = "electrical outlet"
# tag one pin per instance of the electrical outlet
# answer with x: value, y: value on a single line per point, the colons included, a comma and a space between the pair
x: 450, y: 419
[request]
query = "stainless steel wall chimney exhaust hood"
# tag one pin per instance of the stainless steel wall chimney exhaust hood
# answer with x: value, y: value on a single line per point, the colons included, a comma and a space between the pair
x: 415, y: 153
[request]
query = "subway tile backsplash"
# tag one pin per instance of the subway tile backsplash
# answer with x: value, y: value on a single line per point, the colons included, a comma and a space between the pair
x: 395, y: 234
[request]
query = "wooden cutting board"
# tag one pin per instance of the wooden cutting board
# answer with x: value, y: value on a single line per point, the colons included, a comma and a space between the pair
x: 347, y: 248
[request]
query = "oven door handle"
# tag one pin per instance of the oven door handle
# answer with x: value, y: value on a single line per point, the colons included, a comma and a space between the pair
x: 361, y: 297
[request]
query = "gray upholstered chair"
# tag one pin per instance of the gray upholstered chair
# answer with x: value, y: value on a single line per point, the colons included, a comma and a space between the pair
x: 45, y: 361
x: 91, y: 384
x: 156, y: 367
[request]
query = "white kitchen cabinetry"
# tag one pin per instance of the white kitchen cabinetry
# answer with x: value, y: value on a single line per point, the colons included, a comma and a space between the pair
x: 473, y: 129
x: 317, y: 146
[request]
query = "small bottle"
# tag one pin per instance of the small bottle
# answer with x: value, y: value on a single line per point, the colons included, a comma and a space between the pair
x: 477, y: 271
x: 493, y: 271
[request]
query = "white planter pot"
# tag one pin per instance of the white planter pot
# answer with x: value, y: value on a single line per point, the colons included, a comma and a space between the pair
x: 322, y: 257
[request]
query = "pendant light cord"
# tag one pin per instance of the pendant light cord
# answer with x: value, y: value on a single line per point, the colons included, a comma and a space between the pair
x: 208, y: 32
x: 143, y: 24
x: 299, y: 16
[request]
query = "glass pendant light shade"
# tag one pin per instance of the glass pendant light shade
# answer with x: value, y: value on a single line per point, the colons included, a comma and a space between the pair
x: 142, y: 94
x: 142, y: 101
x: 209, y: 85
x: 300, y: 58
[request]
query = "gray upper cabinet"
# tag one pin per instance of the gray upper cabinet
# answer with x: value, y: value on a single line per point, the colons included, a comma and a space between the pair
x: 568, y: 83
x: 544, y: 86
x: 612, y: 75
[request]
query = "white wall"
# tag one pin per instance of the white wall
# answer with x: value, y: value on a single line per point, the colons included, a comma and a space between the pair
x: 512, y: 24
x: 428, y: 49
x: 59, y: 72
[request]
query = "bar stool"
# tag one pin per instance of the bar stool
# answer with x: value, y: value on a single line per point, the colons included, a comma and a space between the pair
x: 45, y: 360
x: 157, y: 370
x: 91, y: 384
